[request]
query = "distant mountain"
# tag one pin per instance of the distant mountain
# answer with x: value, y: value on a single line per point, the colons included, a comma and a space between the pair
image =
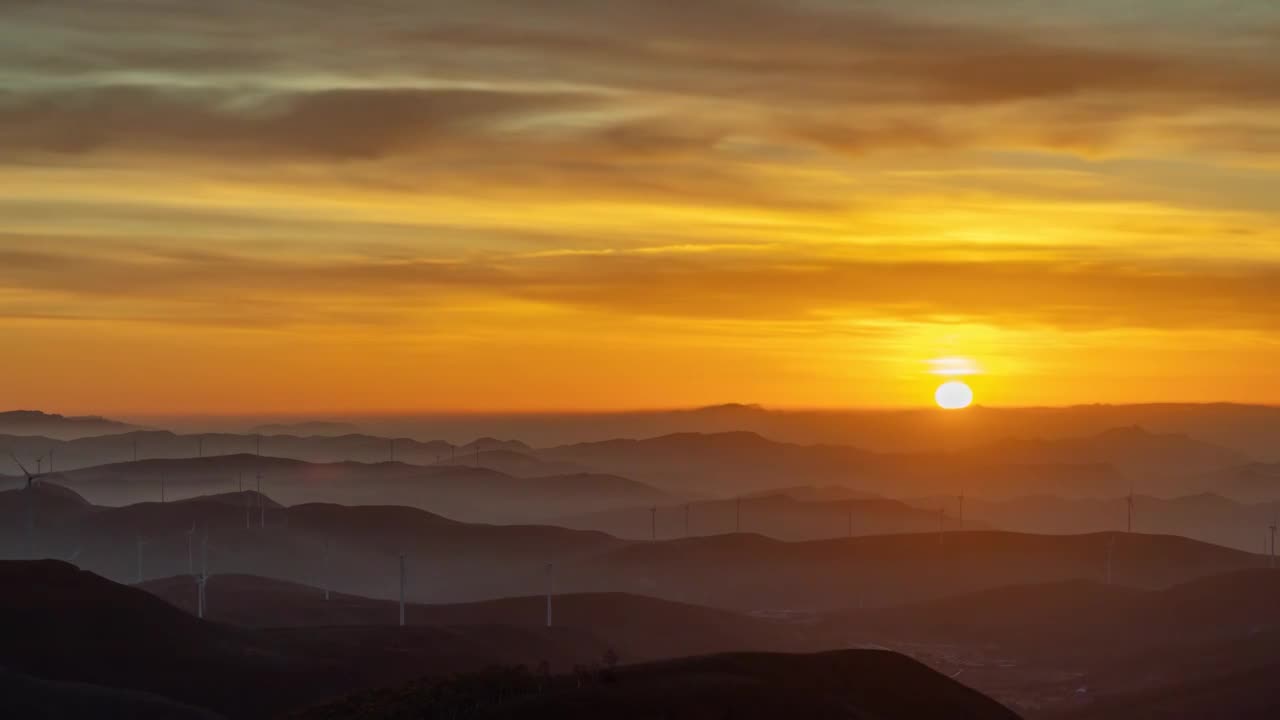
x: 1204, y: 516
x: 778, y: 516
x: 458, y: 491
x: 1134, y: 451
x: 738, y: 463
x: 745, y: 686
x: 753, y: 573
x: 1252, y: 481
x: 1251, y: 429
x: 510, y: 456
x: 61, y: 427
x: 307, y: 429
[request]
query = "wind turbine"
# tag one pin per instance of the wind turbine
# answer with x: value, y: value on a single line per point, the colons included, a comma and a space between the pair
x: 1111, y: 551
x: 401, y: 589
x: 262, y: 506
x: 202, y: 581
x: 1271, y: 561
x: 551, y: 585
x: 140, y: 544
x: 1129, y: 502
x: 325, y: 580
x: 31, y: 510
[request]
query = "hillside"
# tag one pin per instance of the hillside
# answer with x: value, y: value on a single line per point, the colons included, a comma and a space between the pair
x: 60, y: 427
x: 637, y: 628
x: 64, y: 625
x: 850, y: 683
x: 477, y: 494
x: 1205, y: 516
x: 777, y: 516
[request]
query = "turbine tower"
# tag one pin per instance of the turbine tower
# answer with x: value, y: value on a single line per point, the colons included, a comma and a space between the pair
x: 262, y: 506
x: 31, y: 508
x: 325, y: 579
x: 551, y: 586
x: 401, y: 589
x: 140, y: 543
x: 1111, y: 551
x: 202, y: 581
x: 1271, y: 562
x: 1129, y: 503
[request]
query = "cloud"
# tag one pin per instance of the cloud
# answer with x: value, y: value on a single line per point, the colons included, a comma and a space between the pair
x: 667, y: 282
x: 327, y: 125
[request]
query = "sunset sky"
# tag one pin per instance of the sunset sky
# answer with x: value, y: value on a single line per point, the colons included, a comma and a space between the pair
x: 244, y: 206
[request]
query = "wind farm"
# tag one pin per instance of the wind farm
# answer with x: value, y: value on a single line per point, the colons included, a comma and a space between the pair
x: 633, y: 359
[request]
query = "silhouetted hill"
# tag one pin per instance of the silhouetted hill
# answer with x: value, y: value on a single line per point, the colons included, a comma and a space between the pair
x: 52, y: 425
x: 32, y: 698
x: 306, y: 429
x: 250, y: 534
x: 776, y: 516
x: 1135, y: 452
x: 1253, y: 481
x: 1203, y: 516
x: 638, y: 628
x: 741, y: 463
x: 750, y: 572
x: 466, y: 493
x: 1083, y: 620
x: 844, y: 684
x: 68, y: 626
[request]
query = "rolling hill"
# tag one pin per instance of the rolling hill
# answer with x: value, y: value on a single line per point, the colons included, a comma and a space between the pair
x: 845, y: 684
x: 62, y: 625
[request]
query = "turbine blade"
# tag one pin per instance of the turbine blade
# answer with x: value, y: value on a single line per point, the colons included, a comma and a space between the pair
x: 24, y: 467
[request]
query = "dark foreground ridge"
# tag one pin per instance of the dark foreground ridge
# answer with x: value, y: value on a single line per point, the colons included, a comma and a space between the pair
x: 744, y: 686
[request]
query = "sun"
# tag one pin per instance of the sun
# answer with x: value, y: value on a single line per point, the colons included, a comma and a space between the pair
x: 953, y: 395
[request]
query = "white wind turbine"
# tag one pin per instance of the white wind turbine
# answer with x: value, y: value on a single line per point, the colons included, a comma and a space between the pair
x: 190, y: 538
x: 140, y: 544
x: 202, y: 582
x: 31, y: 510
x: 551, y: 586
x: 402, y: 578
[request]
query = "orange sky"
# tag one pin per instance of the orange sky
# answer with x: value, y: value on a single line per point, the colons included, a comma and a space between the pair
x: 472, y: 206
